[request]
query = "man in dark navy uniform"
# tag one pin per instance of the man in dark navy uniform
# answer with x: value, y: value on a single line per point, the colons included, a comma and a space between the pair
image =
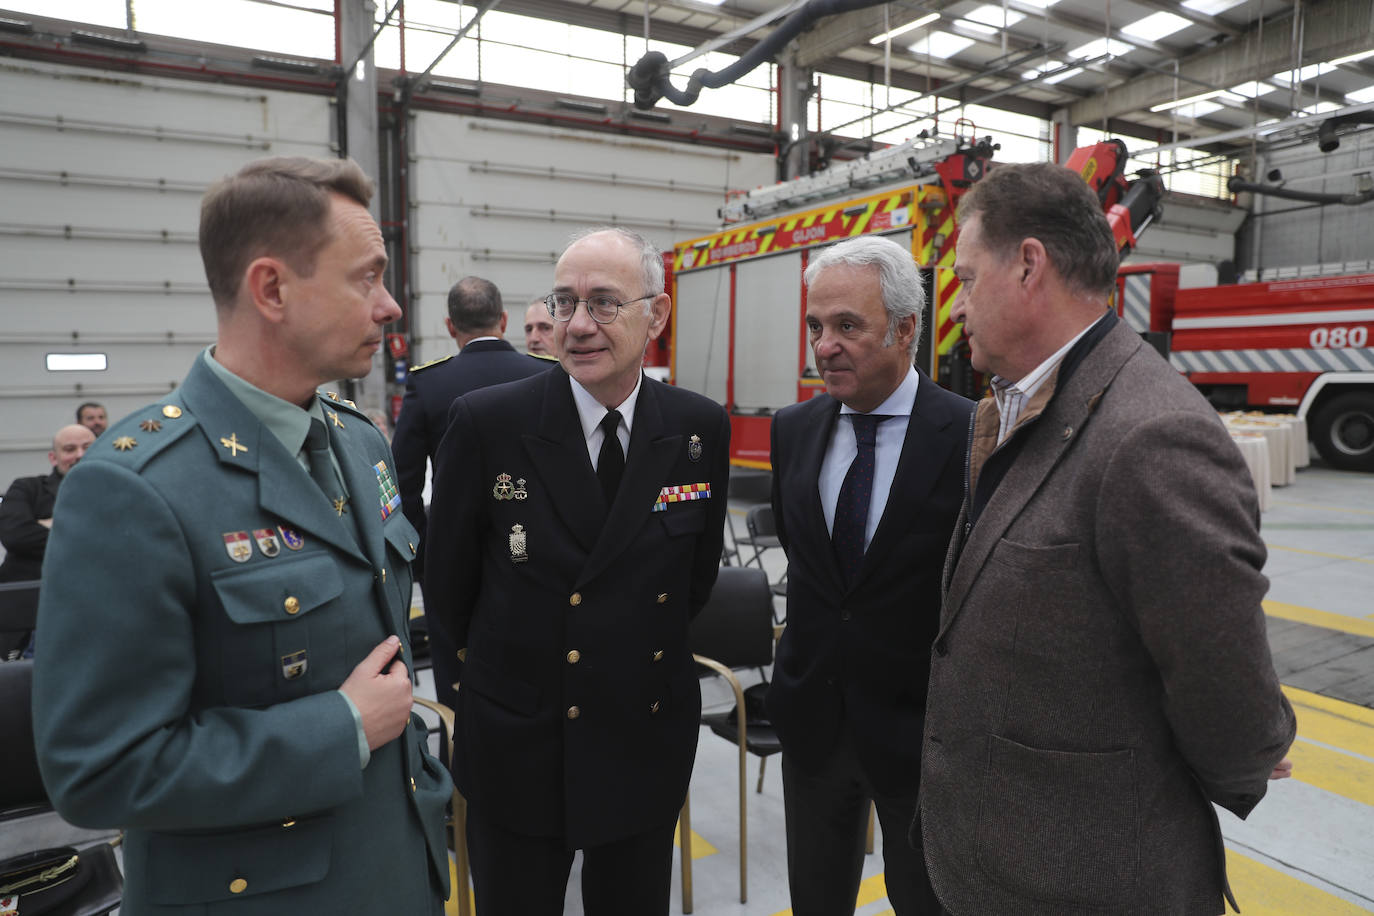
x: 477, y: 322
x: 576, y: 529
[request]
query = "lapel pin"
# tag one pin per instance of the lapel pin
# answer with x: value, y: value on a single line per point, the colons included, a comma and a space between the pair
x: 520, y: 492
x: 334, y: 418
x: 236, y: 544
x: 340, y: 505
x: 518, y: 553
x: 124, y: 443
x: 291, y: 537
x: 694, y: 448
x: 503, y: 488
x: 294, y: 665
x: 267, y: 541
x: 233, y: 444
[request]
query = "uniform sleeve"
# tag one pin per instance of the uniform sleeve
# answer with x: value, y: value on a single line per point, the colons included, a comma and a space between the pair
x: 19, y: 529
x: 453, y: 549
x: 119, y: 741
x: 706, y: 561
x: 1178, y: 541
x: 775, y: 459
x: 409, y: 445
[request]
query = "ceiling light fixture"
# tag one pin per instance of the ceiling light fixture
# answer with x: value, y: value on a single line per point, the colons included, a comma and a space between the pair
x: 903, y: 29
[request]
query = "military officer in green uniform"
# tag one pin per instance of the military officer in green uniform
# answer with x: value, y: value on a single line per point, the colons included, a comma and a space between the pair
x: 224, y: 660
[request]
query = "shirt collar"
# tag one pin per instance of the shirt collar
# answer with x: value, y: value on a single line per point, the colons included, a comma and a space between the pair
x: 1030, y: 383
x: 475, y: 339
x: 288, y: 422
x: 590, y: 410
x: 900, y: 403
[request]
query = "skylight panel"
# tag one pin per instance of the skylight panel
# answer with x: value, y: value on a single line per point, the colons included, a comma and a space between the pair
x: 1197, y: 109
x: 1252, y: 89
x: 903, y: 29
x: 1099, y: 46
x: 1360, y: 96
x: 1040, y: 4
x: 1351, y: 58
x: 1156, y: 25
x: 941, y: 44
x: 1310, y: 72
x: 1211, y: 7
x: 1066, y: 75
x: 988, y: 18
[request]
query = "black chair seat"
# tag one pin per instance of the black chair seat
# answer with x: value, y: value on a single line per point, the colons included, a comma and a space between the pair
x: 761, y: 740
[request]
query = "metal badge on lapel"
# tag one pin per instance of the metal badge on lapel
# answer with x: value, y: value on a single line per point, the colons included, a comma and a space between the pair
x: 503, y: 489
x: 694, y: 448
x: 150, y: 426
x: 238, y: 546
x: 387, y: 492
x: 520, y: 492
x: 267, y: 541
x: 233, y: 444
x: 294, y: 665
x: 518, y: 553
x: 291, y: 537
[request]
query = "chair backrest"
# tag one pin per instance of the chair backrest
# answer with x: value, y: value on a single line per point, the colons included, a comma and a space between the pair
x: 736, y: 626
x: 759, y: 521
x: 18, y: 613
x: 20, y: 782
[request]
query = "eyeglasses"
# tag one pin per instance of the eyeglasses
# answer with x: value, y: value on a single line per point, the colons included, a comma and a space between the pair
x: 601, y: 307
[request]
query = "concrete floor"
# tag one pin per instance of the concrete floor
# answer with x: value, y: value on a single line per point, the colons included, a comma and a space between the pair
x: 1307, y: 850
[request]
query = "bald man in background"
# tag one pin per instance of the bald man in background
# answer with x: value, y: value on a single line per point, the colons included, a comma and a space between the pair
x: 26, y: 513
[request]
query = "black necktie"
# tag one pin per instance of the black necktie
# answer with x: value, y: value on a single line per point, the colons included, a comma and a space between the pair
x: 610, y: 464
x: 851, y: 509
x: 321, y: 468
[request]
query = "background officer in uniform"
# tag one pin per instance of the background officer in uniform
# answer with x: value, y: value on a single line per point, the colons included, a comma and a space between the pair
x: 866, y: 484
x: 477, y: 322
x: 223, y: 663
x: 576, y: 528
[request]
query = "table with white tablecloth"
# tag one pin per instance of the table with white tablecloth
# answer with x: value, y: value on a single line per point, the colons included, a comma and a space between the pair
x: 1255, y: 449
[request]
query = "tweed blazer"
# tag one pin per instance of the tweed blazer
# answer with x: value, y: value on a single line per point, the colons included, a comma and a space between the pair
x: 202, y: 602
x: 1102, y: 673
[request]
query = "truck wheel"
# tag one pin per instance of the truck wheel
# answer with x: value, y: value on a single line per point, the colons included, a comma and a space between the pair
x: 1343, y: 431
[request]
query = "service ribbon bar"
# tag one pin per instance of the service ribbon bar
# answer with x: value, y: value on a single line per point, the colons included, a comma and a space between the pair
x: 681, y: 494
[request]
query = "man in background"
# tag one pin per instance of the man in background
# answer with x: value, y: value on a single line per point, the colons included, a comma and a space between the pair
x: 539, y: 329
x: 92, y: 416
x: 26, y: 512
x: 866, y: 484
x: 576, y: 529
x: 1102, y: 675
x: 223, y: 671
x: 477, y: 323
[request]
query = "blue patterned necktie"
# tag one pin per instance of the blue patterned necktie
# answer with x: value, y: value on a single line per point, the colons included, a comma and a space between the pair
x: 851, y: 509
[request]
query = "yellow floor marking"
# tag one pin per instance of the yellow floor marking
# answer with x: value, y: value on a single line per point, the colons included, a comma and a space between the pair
x: 1264, y: 891
x: 870, y: 890
x: 1316, y: 618
x: 700, y: 848
x: 1333, y: 771
x: 1339, y: 709
x: 1318, y: 553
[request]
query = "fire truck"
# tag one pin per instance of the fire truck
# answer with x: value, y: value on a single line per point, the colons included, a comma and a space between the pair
x: 1301, y: 345
x: 738, y: 332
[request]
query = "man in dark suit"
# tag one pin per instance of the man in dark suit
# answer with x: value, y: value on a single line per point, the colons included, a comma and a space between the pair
x: 222, y: 663
x: 1101, y: 676
x: 26, y: 511
x: 865, y: 490
x: 477, y: 322
x: 575, y: 530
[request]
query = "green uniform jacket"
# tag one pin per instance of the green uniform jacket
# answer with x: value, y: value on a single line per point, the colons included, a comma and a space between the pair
x: 186, y: 691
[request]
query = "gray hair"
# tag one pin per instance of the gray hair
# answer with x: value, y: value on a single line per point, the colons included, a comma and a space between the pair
x: 903, y: 294
x: 650, y: 258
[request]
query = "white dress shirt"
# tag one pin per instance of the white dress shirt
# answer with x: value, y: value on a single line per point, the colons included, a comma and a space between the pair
x: 1012, y: 397
x: 590, y: 412
x: 843, y: 448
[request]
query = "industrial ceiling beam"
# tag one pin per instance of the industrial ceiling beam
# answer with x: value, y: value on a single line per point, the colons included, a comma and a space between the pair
x: 1331, y: 30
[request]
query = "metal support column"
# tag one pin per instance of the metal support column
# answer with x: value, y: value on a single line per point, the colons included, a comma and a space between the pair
x: 794, y: 90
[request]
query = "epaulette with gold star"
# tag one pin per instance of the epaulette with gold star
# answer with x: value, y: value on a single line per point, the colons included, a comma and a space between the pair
x: 136, y: 439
